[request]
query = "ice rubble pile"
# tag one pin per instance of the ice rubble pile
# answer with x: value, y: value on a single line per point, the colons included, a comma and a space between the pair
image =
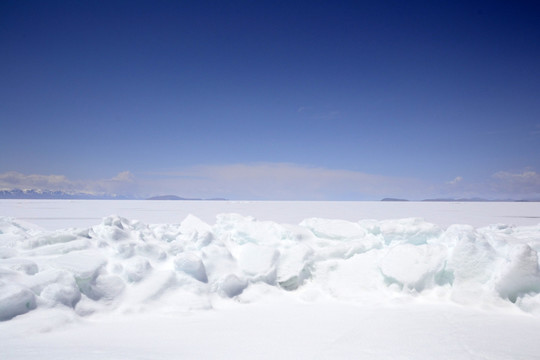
x: 128, y: 264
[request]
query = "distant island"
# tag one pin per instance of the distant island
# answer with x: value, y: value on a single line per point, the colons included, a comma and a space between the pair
x: 168, y: 197
x: 463, y: 200
x: 174, y: 197
x: 474, y: 200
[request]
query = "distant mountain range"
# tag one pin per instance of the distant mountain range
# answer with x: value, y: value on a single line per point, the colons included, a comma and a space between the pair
x: 49, y: 194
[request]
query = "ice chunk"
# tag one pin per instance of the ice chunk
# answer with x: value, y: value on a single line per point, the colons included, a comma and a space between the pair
x: 240, y: 229
x: 15, y: 300
x: 13, y: 232
x: 334, y: 229
x: 152, y: 288
x: 415, y: 267
x: 472, y: 259
x: 85, y: 266
x: 25, y: 266
x: 529, y: 303
x: 108, y: 287
x: 38, y: 282
x: 49, y: 239
x: 191, y: 264
x: 61, y: 293
x: 257, y: 261
x: 61, y: 248
x: 521, y: 274
x: 294, y: 266
x: 411, y: 230
x: 218, y: 261
x: 329, y: 249
x: 353, y: 278
x: 152, y: 251
x: 196, y: 231
x: 231, y: 285
x: 125, y: 250
x: 112, y: 228
x: 136, y: 268
x: 166, y: 232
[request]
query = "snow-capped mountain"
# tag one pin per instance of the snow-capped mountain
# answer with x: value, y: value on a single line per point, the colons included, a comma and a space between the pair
x: 49, y: 194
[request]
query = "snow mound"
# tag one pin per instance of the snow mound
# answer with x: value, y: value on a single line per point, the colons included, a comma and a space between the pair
x: 128, y: 265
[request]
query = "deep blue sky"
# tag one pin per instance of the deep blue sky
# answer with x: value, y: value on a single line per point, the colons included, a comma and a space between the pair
x: 437, y: 98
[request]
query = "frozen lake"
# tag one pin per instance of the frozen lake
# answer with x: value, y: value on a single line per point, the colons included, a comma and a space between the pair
x: 55, y: 214
x: 266, y: 280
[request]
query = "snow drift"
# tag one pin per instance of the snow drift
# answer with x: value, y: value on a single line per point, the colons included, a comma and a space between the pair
x: 128, y: 265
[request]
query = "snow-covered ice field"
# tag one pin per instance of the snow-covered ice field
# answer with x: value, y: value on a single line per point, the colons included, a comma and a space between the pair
x: 266, y: 280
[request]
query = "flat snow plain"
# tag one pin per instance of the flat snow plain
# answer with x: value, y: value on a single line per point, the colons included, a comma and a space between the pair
x: 265, y: 280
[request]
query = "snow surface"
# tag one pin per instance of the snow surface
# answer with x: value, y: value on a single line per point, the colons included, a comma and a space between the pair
x: 238, y: 287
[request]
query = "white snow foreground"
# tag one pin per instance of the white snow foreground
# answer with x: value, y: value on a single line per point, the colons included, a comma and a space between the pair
x: 244, y: 288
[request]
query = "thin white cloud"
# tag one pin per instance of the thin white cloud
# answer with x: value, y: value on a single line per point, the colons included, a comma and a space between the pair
x: 282, y: 181
x: 456, y: 180
x: 319, y: 114
x: 525, y: 176
x: 329, y: 115
x: 501, y: 185
x: 524, y: 184
x: 124, y: 176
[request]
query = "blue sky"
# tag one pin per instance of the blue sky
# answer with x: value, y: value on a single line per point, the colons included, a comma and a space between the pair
x: 272, y: 100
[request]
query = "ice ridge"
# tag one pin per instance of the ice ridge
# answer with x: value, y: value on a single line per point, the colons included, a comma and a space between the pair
x: 125, y: 264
